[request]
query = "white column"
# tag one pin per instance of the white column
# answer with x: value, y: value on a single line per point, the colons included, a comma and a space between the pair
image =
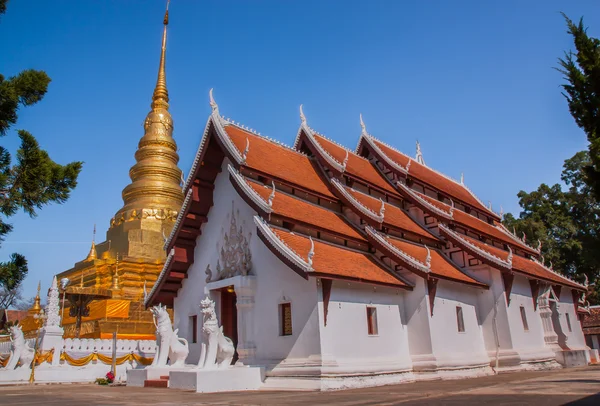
x: 245, y: 290
x: 550, y: 336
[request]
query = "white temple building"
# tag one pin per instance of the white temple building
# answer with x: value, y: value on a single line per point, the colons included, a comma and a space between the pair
x: 333, y: 268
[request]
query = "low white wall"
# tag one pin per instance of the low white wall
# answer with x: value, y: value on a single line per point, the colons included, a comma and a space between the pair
x: 345, y: 342
x: 77, y: 349
x: 575, y: 339
x: 452, y: 348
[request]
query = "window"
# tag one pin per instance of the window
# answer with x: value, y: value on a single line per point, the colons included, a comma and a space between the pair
x: 524, y: 319
x: 194, y: 328
x: 568, y: 322
x: 460, y: 322
x: 372, y: 321
x: 285, y: 319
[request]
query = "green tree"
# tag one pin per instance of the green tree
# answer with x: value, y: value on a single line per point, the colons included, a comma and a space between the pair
x: 581, y: 69
x: 35, y: 180
x: 565, y: 221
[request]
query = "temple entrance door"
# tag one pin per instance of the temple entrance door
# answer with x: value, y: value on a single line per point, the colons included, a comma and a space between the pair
x: 229, y: 317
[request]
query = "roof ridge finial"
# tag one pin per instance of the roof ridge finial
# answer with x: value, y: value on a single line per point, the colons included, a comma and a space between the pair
x: 160, y: 97
x: 419, y: 155
x: 302, y: 116
x: 272, y: 195
x: 363, y: 126
x: 213, y: 103
x: 246, y: 150
x: 311, y: 252
x: 462, y: 178
x: 382, y: 208
x: 428, y: 258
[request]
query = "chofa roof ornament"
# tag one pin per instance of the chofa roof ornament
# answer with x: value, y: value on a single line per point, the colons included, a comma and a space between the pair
x: 382, y: 208
x: 462, y: 178
x: 419, y: 156
x: 246, y: 150
x: 272, y: 195
x: 539, y: 246
x: 428, y: 258
x: 302, y: 116
x: 363, y: 126
x: 510, y: 255
x: 213, y: 103
x: 311, y: 253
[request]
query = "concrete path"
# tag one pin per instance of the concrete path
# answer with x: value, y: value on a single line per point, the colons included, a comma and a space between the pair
x: 577, y: 386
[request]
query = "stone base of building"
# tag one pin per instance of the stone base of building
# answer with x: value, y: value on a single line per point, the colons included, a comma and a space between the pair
x: 572, y: 358
x: 46, y: 373
x: 217, y: 380
x: 137, y: 377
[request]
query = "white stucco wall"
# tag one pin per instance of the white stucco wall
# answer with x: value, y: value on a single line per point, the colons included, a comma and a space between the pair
x: 451, y: 347
x: 524, y: 341
x: 275, y: 283
x: 345, y: 341
x: 575, y: 338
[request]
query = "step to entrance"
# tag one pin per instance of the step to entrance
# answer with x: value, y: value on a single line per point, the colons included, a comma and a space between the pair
x: 163, y: 382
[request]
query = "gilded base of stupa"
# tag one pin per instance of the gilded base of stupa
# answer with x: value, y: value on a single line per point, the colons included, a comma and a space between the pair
x: 126, y: 280
x: 128, y: 319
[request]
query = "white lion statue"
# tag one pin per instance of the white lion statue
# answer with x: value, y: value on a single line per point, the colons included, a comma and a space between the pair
x: 218, y: 350
x: 168, y: 344
x: 20, y: 352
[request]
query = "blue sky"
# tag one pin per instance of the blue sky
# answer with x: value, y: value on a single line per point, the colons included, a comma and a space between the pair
x: 473, y: 81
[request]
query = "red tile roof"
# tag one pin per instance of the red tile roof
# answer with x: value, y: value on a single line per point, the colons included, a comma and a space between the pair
x: 433, y: 178
x: 393, y: 216
x: 479, y: 225
x: 278, y: 161
x: 592, y: 321
x: 357, y: 166
x: 524, y: 265
x: 15, y: 315
x: 311, y: 214
x: 440, y: 265
x: 336, y: 261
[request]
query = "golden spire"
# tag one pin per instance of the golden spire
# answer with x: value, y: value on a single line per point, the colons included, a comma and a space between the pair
x: 115, y: 286
x: 93, y: 255
x: 36, y: 308
x: 160, y: 97
x: 154, y: 194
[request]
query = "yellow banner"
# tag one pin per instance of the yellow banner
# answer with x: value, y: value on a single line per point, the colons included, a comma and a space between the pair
x: 105, y: 359
x: 102, y: 309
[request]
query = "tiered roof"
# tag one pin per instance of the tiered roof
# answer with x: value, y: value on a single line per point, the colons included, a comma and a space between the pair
x: 424, y: 174
x: 303, y: 203
x: 325, y: 260
x: 448, y: 214
x: 529, y: 267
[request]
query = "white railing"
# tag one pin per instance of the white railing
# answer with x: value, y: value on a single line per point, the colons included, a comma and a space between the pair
x: 104, y: 346
x: 6, y: 345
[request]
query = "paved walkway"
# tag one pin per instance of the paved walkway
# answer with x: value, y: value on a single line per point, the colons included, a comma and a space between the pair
x: 577, y: 386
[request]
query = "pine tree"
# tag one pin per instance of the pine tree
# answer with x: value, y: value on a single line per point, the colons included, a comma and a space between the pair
x: 582, y: 91
x: 35, y: 180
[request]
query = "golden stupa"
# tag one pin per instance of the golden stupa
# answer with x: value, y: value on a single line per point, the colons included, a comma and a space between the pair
x: 128, y: 263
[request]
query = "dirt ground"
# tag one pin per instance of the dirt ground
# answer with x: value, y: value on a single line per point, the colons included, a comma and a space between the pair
x: 577, y: 386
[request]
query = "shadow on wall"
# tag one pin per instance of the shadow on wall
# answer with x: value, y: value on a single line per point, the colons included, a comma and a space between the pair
x: 562, y: 337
